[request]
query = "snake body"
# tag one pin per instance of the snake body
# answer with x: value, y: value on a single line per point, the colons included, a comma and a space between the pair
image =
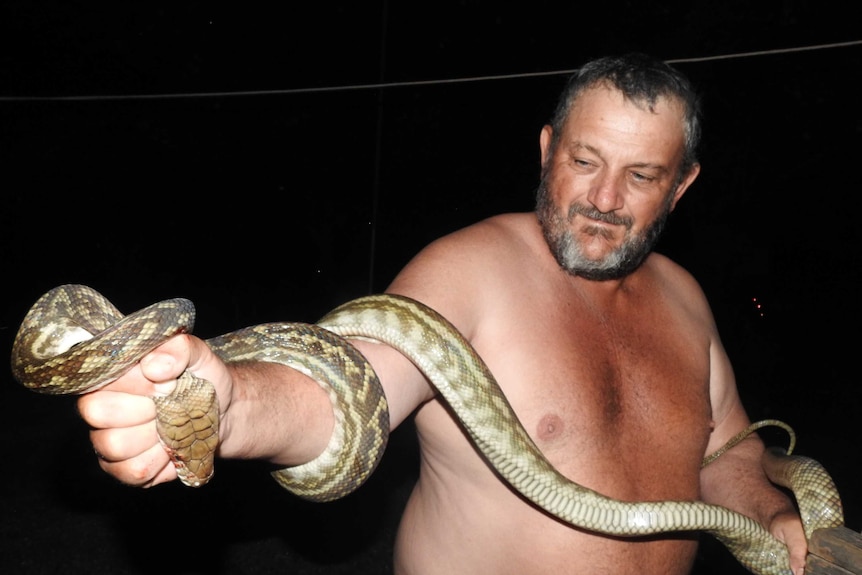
x: 51, y: 351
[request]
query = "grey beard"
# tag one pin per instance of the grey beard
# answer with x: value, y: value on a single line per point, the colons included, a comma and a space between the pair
x: 567, y: 251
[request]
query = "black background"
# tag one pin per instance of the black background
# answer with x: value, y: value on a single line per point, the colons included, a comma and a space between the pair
x: 271, y: 163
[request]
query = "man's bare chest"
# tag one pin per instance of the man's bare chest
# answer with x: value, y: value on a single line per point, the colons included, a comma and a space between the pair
x: 601, y: 399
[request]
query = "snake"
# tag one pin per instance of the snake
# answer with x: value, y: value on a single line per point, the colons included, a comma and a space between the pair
x: 73, y: 341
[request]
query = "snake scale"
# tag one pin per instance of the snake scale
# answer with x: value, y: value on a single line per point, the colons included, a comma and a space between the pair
x: 73, y: 340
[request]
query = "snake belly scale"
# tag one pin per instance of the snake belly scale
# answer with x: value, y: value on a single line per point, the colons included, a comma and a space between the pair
x: 49, y: 352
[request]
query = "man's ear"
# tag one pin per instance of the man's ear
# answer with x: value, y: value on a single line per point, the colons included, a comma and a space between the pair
x: 684, y: 184
x: 545, y: 138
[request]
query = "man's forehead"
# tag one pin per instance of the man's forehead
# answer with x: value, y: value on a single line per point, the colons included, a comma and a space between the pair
x: 603, y: 106
x: 606, y: 92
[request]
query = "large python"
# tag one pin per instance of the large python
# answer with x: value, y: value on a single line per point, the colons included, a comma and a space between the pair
x: 73, y: 340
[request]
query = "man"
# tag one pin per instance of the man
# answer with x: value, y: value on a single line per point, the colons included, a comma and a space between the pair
x: 607, y: 351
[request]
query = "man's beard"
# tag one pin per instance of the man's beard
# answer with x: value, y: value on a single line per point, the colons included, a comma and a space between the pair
x: 617, y: 264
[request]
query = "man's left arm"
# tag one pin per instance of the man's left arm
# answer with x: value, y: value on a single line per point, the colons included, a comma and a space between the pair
x: 736, y: 479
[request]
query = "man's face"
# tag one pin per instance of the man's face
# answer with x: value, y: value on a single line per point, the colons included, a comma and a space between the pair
x: 610, y: 184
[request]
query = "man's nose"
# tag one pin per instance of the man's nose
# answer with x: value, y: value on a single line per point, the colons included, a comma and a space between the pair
x: 606, y: 193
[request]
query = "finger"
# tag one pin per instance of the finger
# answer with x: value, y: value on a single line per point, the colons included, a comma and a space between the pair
x: 789, y: 530
x: 107, y: 408
x: 123, y: 443
x: 168, y: 361
x: 798, y: 552
x: 144, y: 470
x: 168, y: 473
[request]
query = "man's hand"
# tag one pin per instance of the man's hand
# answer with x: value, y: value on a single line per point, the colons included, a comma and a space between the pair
x: 122, y: 415
x: 787, y: 527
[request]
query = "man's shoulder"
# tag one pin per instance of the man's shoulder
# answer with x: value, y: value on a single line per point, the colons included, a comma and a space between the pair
x: 664, y: 266
x: 677, y: 282
x: 486, y: 254
x: 499, y: 231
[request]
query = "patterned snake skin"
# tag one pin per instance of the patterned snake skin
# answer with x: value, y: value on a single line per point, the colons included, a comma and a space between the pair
x: 73, y: 341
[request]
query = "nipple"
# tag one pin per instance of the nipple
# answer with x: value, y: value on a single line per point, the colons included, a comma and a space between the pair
x: 550, y: 427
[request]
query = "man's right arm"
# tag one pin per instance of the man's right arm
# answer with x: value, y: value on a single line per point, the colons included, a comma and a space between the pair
x: 268, y: 411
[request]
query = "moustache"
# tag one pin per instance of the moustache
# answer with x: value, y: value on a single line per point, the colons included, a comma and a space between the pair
x: 594, y: 214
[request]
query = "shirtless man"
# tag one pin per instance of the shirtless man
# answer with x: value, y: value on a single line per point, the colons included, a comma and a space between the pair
x: 608, y: 352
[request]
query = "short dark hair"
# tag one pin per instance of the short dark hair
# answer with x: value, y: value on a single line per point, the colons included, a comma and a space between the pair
x: 641, y: 79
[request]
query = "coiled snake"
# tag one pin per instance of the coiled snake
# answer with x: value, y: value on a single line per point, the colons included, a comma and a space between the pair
x: 73, y: 341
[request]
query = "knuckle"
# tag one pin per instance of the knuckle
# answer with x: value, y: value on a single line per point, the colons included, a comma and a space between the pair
x: 138, y: 471
x: 95, y: 409
x: 109, y: 445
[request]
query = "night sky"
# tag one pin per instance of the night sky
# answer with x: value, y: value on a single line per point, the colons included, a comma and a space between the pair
x: 270, y: 164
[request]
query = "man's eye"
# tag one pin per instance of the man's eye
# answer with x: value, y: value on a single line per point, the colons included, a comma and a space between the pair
x: 643, y: 178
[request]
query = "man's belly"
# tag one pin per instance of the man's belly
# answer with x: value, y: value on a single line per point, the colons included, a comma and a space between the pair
x: 497, y: 533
